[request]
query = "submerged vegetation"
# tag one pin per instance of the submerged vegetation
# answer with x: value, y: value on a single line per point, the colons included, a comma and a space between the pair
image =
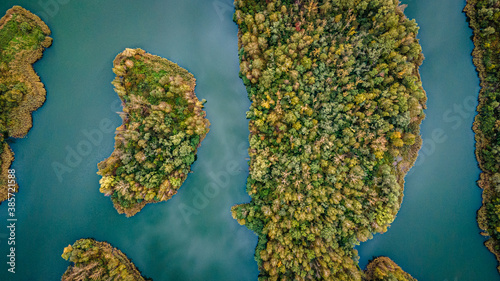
x: 163, y: 126
x: 484, y: 18
x: 93, y: 260
x: 334, y: 126
x: 23, y: 38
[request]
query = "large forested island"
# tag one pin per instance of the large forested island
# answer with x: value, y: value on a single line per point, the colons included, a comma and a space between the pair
x: 484, y: 17
x: 334, y: 126
x: 163, y: 126
x: 23, y: 38
x: 93, y: 260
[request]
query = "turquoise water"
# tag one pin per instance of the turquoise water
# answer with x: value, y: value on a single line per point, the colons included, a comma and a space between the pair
x: 192, y: 236
x: 435, y: 235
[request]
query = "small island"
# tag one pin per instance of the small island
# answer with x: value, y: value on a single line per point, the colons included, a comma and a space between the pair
x: 163, y: 126
x: 23, y: 38
x: 93, y: 260
x: 334, y: 126
x: 384, y: 269
x: 484, y: 19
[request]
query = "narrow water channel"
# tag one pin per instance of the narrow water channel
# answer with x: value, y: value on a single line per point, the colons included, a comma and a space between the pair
x: 435, y: 235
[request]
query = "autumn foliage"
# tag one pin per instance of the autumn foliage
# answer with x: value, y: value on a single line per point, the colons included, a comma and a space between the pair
x: 163, y: 126
x: 384, y: 269
x: 93, y: 260
x: 334, y: 127
x: 484, y: 17
x: 23, y: 38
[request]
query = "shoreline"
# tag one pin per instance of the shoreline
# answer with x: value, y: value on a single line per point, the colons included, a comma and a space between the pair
x: 105, y: 255
x: 155, y: 64
x: 484, y: 181
x: 332, y: 132
x: 21, y: 71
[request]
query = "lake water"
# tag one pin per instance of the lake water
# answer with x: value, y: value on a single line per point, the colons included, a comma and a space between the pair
x: 192, y: 236
x: 435, y: 235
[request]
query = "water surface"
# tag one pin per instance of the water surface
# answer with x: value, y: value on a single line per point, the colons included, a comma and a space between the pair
x: 190, y: 237
x: 435, y: 235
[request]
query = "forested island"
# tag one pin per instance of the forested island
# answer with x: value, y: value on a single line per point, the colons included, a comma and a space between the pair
x: 93, y: 260
x: 336, y: 108
x: 484, y: 19
x: 384, y: 269
x: 23, y: 38
x: 163, y: 126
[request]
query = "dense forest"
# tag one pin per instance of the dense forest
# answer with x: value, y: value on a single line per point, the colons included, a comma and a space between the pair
x: 484, y: 18
x: 334, y: 126
x: 163, y: 126
x: 93, y: 260
x: 23, y: 38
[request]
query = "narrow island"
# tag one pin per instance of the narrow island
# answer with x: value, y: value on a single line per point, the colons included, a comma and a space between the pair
x: 23, y: 38
x: 334, y: 126
x: 93, y: 260
x: 484, y: 19
x: 163, y: 126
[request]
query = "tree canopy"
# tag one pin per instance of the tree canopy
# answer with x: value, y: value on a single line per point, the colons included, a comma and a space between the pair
x: 23, y: 38
x: 163, y: 126
x: 484, y: 18
x: 334, y: 127
x: 384, y: 269
x: 93, y: 260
